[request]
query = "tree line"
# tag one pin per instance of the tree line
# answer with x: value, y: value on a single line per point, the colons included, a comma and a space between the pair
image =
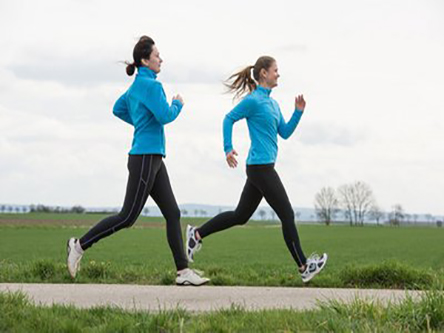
x: 357, y: 204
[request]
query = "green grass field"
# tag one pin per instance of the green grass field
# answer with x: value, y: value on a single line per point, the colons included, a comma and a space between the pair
x: 252, y: 255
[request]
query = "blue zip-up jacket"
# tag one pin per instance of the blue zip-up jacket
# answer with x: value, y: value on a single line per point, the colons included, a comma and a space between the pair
x: 265, y: 121
x: 144, y: 106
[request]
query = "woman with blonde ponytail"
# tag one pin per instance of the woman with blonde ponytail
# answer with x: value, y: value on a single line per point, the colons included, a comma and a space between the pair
x: 265, y: 122
x: 144, y: 106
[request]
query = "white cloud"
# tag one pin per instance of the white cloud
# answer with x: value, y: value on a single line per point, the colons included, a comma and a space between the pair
x: 371, y: 73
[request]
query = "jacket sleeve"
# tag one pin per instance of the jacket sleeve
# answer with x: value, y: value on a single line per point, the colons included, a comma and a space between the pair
x: 120, y: 110
x: 157, y: 103
x: 285, y: 130
x: 242, y: 110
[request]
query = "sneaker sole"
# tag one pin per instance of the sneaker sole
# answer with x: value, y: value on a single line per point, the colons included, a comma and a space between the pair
x: 68, y: 250
x: 188, y: 283
x: 188, y: 242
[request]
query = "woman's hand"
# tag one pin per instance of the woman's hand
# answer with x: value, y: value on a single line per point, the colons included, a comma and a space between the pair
x: 231, y: 160
x: 179, y: 98
x: 299, y: 103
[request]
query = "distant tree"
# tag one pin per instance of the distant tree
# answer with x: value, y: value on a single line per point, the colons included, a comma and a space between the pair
x: 2, y: 208
x: 10, y: 209
x: 297, y: 214
x: 77, y: 210
x: 17, y: 209
x: 326, y: 205
x: 203, y: 212
x: 439, y: 223
x: 184, y: 212
x: 429, y: 217
x: 262, y: 213
x: 357, y: 200
x: 407, y: 217
x: 397, y: 215
x: 376, y: 214
x: 146, y: 211
x: 196, y: 212
x: 415, y: 217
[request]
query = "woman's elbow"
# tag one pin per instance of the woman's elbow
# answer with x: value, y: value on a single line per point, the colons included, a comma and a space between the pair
x: 284, y: 135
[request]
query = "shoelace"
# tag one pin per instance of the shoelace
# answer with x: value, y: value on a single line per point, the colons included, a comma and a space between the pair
x: 313, y: 257
x: 198, y: 272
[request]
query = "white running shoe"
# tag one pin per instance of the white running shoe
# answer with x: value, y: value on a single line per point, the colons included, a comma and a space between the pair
x: 313, y: 266
x: 74, y: 256
x: 191, y: 277
x: 193, y: 245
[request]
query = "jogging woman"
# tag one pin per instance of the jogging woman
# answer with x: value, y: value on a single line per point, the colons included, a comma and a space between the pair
x: 144, y: 106
x: 265, y: 122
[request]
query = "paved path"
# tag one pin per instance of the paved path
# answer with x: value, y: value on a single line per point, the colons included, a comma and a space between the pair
x: 197, y: 299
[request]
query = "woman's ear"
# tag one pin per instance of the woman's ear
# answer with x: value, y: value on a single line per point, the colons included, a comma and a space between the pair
x: 263, y: 73
x: 144, y: 62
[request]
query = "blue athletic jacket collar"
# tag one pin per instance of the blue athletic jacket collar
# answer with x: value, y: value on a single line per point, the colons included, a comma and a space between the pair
x: 263, y: 90
x: 145, y: 71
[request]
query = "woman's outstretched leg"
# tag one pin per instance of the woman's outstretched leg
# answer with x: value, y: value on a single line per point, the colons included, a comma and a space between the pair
x: 142, y: 173
x: 250, y: 198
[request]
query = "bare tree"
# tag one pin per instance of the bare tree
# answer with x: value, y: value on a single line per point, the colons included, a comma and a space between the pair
x: 407, y: 217
x: 262, y: 213
x: 357, y: 200
x: 376, y: 214
x: 326, y: 205
x: 397, y: 215
x: 297, y: 214
x: 429, y: 217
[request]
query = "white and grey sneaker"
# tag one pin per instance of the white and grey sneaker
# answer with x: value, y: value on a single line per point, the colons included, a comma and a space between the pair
x: 193, y: 245
x: 191, y: 277
x: 75, y: 253
x: 313, y: 266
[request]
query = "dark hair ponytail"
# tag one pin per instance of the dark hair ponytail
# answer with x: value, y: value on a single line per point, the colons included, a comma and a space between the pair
x: 242, y: 82
x: 130, y: 69
x: 142, y: 50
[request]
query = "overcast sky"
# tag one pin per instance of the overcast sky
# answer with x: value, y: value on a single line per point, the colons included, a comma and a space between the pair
x: 372, y: 73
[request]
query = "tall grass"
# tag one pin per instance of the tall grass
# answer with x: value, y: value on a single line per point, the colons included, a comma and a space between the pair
x: 18, y: 314
x: 385, y: 275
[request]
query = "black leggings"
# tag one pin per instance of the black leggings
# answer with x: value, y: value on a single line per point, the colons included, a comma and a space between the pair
x: 262, y: 181
x: 147, y: 176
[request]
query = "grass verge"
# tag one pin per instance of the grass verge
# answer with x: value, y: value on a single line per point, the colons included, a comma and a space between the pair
x: 18, y: 314
x: 388, y: 274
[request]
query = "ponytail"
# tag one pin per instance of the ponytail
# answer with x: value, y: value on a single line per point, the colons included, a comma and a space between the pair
x: 242, y: 82
x: 130, y: 68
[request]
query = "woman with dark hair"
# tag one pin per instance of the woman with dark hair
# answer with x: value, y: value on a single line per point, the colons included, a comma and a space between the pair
x: 265, y: 122
x: 145, y: 107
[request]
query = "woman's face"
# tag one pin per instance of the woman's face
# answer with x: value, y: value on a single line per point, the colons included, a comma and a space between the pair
x: 154, y: 61
x: 270, y: 76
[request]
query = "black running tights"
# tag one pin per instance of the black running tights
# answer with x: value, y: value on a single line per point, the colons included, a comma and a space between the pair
x: 263, y: 181
x: 147, y: 176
